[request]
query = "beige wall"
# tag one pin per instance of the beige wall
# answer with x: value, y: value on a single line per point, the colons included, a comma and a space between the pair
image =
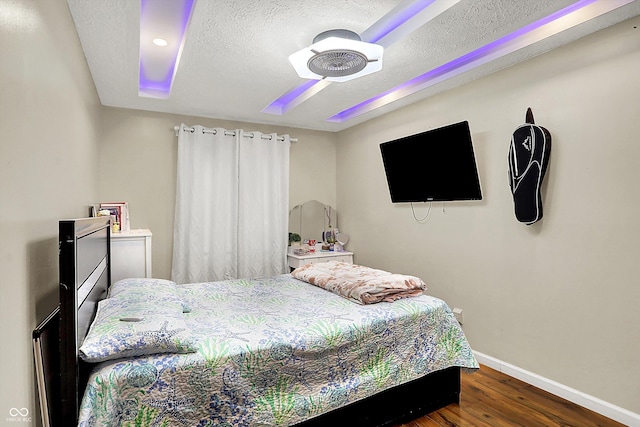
x: 138, y: 165
x: 558, y: 298
x: 48, y: 161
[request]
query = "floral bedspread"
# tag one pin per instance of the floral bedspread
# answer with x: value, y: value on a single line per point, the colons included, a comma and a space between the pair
x: 275, y: 352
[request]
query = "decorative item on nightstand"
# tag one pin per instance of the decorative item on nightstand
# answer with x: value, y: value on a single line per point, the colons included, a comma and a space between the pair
x: 341, y: 240
x: 312, y: 245
x: 294, y: 238
x: 330, y: 238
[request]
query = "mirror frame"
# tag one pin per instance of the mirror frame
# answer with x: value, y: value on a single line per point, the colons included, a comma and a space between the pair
x: 312, y: 219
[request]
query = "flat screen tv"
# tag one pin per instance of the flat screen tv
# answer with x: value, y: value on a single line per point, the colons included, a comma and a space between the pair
x: 436, y: 165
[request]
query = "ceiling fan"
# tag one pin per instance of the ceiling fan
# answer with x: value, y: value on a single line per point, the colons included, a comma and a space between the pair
x: 355, y: 55
x: 337, y: 56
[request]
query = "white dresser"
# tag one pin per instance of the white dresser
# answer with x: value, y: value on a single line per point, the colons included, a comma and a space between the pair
x: 130, y: 254
x: 296, y: 261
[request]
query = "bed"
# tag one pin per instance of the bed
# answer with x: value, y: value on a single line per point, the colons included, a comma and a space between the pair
x: 274, y: 351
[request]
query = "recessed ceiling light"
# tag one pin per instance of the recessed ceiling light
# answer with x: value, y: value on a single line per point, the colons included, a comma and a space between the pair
x: 158, y: 67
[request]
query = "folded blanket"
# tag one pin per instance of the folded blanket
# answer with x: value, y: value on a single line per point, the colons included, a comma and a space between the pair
x: 360, y: 284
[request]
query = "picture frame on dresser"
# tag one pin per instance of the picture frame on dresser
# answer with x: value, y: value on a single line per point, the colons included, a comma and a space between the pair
x: 121, y: 212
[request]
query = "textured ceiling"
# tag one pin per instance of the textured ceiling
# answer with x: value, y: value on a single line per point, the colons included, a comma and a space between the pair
x: 235, y: 59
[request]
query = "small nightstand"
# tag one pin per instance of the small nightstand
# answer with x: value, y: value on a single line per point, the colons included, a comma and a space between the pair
x: 296, y: 261
x: 130, y: 254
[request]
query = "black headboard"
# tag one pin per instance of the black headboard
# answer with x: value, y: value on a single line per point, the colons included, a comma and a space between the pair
x: 85, y: 276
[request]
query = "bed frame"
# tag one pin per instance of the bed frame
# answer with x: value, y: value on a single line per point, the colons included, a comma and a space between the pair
x: 85, y: 276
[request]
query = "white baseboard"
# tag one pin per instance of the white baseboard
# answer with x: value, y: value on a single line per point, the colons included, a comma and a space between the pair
x: 594, y: 404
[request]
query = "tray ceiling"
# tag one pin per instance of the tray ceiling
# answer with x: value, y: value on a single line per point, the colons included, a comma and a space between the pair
x: 234, y: 61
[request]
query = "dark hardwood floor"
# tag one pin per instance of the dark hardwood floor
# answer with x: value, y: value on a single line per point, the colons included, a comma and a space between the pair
x: 492, y: 399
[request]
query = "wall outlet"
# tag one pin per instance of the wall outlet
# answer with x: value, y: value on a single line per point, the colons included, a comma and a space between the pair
x: 457, y: 312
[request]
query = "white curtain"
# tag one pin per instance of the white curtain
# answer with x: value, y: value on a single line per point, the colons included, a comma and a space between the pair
x: 232, y: 205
